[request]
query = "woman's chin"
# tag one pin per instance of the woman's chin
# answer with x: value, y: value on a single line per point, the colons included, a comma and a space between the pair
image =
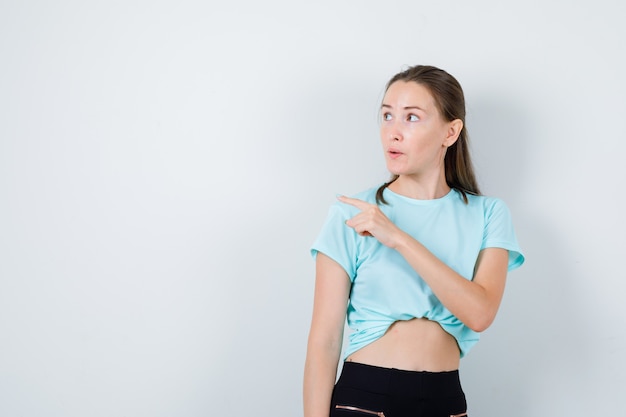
x: 395, y: 170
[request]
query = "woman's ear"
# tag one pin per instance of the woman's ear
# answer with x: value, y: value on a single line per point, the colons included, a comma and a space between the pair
x: 453, y: 132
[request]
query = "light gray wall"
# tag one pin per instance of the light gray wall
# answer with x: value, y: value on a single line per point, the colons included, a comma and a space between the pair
x: 164, y: 167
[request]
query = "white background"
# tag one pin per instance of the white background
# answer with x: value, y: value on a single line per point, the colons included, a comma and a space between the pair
x: 165, y: 166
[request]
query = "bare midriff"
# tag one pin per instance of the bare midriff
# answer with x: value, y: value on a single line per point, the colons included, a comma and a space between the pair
x: 414, y: 345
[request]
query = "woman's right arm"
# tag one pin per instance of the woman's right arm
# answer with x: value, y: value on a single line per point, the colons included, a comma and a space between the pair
x: 332, y: 289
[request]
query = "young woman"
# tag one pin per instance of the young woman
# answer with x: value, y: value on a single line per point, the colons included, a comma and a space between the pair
x: 418, y: 265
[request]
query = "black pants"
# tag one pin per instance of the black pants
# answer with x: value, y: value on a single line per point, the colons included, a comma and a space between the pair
x: 364, y: 390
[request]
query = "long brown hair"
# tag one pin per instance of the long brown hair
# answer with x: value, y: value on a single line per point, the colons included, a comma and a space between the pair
x: 450, y: 102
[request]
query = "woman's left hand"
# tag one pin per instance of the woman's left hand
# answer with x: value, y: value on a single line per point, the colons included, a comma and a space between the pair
x: 371, y: 221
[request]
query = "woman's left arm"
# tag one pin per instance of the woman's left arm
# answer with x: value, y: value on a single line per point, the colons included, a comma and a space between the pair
x: 474, y: 302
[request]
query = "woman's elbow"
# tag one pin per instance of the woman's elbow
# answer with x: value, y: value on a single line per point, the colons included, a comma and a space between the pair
x: 481, y: 322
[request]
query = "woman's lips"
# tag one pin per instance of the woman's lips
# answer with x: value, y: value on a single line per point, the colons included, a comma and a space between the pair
x: 394, y: 153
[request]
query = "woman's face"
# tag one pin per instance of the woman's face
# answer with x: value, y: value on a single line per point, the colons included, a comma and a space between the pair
x: 413, y: 133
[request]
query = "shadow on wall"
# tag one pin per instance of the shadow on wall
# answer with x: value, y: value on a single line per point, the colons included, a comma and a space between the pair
x: 499, y: 139
x: 537, y: 345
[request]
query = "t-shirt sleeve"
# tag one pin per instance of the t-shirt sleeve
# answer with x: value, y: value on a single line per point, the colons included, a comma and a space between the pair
x: 499, y: 232
x: 338, y: 241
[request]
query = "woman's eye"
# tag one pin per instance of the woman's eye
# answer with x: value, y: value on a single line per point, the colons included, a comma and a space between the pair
x: 386, y: 116
x: 412, y: 118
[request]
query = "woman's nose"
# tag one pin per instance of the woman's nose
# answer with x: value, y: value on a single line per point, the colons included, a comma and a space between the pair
x: 394, y: 133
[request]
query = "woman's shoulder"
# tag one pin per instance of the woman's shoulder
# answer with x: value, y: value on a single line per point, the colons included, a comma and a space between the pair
x: 484, y: 200
x: 368, y: 195
x: 489, y: 205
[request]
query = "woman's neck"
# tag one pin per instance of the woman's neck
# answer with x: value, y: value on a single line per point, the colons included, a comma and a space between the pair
x: 420, y: 189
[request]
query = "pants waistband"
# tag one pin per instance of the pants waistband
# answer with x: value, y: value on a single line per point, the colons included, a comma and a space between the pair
x: 400, y: 382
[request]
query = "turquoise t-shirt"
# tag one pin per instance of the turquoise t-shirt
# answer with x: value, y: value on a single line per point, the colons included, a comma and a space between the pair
x: 384, y: 286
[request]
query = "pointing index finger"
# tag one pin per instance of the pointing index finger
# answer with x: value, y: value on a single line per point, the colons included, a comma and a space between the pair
x: 360, y: 204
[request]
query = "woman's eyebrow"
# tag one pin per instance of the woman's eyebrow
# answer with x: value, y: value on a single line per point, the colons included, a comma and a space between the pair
x: 387, y: 106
